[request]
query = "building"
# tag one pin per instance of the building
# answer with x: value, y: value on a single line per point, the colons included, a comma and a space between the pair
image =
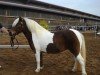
x: 37, y: 10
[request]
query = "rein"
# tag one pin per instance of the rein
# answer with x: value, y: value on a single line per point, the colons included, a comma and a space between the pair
x: 12, y: 42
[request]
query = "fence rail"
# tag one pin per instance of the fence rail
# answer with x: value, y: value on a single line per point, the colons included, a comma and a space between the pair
x: 15, y: 46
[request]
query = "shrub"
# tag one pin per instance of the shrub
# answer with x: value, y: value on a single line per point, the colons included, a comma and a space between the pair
x: 43, y: 23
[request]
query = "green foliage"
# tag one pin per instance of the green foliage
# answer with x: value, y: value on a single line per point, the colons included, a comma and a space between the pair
x: 43, y: 23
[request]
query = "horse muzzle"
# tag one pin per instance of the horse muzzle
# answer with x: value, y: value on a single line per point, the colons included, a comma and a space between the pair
x: 11, y: 33
x: 12, y: 37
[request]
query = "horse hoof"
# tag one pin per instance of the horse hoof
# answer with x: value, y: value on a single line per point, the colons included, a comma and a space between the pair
x: 37, y: 70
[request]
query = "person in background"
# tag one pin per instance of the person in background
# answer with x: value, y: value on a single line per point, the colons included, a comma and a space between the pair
x: 3, y: 29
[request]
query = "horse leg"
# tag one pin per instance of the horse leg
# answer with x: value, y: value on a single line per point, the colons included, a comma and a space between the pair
x: 41, y: 60
x: 82, y: 63
x: 37, y: 55
x: 75, y: 65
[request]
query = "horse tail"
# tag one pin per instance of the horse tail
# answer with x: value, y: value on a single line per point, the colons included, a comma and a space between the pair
x: 83, y: 48
x: 82, y: 51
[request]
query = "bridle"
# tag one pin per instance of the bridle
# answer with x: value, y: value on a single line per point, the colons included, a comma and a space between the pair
x: 12, y: 38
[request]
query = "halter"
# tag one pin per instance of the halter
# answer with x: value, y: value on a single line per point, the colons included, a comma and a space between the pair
x: 12, y: 38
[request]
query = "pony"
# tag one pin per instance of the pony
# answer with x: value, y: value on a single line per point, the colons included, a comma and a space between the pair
x: 42, y: 40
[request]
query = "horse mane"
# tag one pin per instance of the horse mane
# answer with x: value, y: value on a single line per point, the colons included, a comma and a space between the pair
x: 15, y: 22
x: 33, y: 25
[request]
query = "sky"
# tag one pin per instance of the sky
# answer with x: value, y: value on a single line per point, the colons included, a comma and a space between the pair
x: 88, y: 6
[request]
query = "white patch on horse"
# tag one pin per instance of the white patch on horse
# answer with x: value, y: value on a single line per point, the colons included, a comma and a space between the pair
x: 40, y: 37
x: 40, y: 34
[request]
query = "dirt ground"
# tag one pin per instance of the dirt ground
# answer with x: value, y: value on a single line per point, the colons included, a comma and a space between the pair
x: 22, y: 61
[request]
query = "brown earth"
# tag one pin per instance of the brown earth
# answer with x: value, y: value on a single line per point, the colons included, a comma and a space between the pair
x: 22, y: 61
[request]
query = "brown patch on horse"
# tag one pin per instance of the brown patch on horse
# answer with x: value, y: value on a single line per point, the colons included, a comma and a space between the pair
x: 63, y: 40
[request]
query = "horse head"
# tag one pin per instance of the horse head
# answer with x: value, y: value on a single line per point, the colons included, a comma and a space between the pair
x: 17, y: 27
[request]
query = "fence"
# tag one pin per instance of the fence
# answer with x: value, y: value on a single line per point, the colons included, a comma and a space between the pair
x: 55, y: 28
x: 15, y: 46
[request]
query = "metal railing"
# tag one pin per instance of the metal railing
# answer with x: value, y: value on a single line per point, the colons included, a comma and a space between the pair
x: 55, y: 28
x: 15, y: 46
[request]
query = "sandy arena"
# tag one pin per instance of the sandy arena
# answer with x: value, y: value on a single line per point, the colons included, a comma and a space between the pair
x: 22, y: 61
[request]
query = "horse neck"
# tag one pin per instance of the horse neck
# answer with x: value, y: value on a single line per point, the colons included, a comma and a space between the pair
x: 34, y: 27
x: 28, y: 36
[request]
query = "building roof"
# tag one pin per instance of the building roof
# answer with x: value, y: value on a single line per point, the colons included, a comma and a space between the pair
x: 47, y: 7
x: 59, y: 7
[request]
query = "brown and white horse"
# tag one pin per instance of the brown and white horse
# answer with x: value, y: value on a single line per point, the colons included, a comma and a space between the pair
x: 41, y: 40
